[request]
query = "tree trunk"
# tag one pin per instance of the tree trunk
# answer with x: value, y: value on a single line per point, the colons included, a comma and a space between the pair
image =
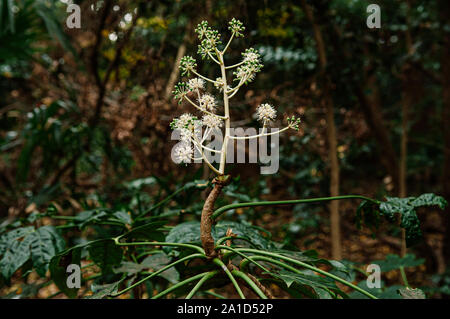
x: 336, y: 247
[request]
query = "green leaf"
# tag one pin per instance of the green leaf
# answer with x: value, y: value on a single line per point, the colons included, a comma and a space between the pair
x: 189, y: 232
x: 242, y: 230
x: 407, y: 208
x: 157, y: 261
x: 46, y: 242
x: 153, y: 262
x: 320, y: 285
x: 102, y: 291
x: 409, y: 293
x: 123, y: 217
x: 106, y: 254
x: 392, y: 262
x: 15, y: 248
x: 58, y: 270
x: 429, y: 199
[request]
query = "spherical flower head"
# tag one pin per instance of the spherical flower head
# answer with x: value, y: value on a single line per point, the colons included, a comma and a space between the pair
x: 266, y: 113
x: 201, y: 29
x: 251, y: 56
x: 180, y: 90
x: 236, y: 27
x: 251, y: 65
x: 187, y: 64
x: 212, y: 121
x: 294, y: 122
x: 245, y: 73
x: 196, y: 84
x: 183, y: 152
x: 207, y: 102
x: 185, y: 121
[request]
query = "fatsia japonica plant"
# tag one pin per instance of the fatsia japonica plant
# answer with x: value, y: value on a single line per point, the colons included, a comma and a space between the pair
x: 129, y: 247
x: 214, y: 118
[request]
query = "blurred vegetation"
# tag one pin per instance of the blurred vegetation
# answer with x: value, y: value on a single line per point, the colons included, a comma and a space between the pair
x: 85, y: 138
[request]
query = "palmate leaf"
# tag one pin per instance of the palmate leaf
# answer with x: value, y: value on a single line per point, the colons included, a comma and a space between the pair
x: 369, y: 213
x: 320, y: 285
x: 24, y: 243
x: 15, y: 249
x: 45, y: 244
x: 58, y: 270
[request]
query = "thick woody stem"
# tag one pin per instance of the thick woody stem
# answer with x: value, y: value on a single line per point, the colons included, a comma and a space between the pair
x: 208, y: 209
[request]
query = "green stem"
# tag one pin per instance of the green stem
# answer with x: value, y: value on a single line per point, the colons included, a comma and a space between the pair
x: 178, y: 285
x: 305, y: 265
x: 242, y: 255
x: 403, y: 274
x: 158, y: 272
x: 155, y: 243
x: 206, y: 277
x: 219, y: 263
x: 250, y: 282
x: 212, y: 293
x: 223, y: 209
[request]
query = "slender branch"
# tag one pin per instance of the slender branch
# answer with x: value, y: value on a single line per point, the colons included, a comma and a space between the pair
x: 203, y: 77
x: 259, y: 135
x: 249, y: 282
x: 234, y: 65
x: 205, y: 147
x: 219, y: 263
x: 212, y: 58
x: 178, y: 285
x: 206, y: 160
x: 228, y: 44
x: 205, y: 278
x: 227, y: 115
x: 223, y: 209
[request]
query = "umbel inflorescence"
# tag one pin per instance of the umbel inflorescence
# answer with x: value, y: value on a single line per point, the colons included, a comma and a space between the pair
x: 196, y: 130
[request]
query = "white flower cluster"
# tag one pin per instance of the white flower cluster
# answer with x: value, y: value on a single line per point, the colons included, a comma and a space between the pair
x: 266, y: 113
x: 251, y: 56
x: 212, y: 121
x: 196, y: 84
x: 184, y: 152
x: 251, y: 65
x: 207, y: 102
